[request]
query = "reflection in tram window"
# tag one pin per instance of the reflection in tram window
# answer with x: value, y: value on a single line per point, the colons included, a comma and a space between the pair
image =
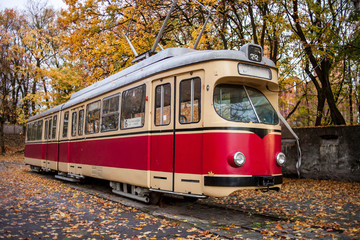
x: 65, y: 125
x: 46, y: 129
x: 133, y: 107
x: 110, y: 114
x: 81, y: 122
x: 92, y: 124
x: 190, y: 93
x: 54, y: 127
x: 50, y: 126
x: 74, y: 123
x: 162, y: 104
x: 34, y: 130
x: 243, y: 104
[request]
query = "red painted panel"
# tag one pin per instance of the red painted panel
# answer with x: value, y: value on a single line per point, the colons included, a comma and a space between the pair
x: 260, y: 153
x: 131, y: 152
x: 188, y: 153
x: 63, y: 152
x: 33, y: 151
x: 161, y: 155
x: 52, y: 151
x: 195, y: 153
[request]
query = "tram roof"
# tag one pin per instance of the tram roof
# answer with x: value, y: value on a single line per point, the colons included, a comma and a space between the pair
x: 162, y: 61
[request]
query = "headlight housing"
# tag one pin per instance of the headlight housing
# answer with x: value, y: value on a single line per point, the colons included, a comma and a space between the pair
x: 280, y: 159
x: 239, y: 159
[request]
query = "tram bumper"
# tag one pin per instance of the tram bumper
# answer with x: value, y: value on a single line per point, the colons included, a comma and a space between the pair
x: 252, y: 181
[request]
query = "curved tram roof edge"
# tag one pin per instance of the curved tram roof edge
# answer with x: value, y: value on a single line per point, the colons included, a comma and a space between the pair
x: 175, y: 57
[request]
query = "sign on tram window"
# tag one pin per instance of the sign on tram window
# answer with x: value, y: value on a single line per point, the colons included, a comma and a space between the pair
x: 92, y: 123
x: 162, y: 104
x: 190, y: 95
x: 133, y: 122
x: 133, y: 107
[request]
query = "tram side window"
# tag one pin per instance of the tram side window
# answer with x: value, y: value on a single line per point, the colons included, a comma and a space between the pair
x: 162, y: 104
x: 49, y: 132
x: 54, y: 127
x: 81, y: 122
x: 190, y: 95
x: 110, y: 114
x: 73, y: 124
x: 34, y: 130
x: 66, y: 123
x: 92, y: 123
x: 39, y: 129
x: 28, y: 130
x: 133, y: 107
x: 46, y: 129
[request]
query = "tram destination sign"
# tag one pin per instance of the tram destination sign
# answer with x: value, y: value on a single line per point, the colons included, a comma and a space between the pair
x: 254, y: 71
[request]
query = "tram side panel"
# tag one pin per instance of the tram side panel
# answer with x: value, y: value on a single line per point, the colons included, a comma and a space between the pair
x: 34, y: 147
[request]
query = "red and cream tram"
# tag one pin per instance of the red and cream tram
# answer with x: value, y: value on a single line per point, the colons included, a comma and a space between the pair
x: 188, y: 122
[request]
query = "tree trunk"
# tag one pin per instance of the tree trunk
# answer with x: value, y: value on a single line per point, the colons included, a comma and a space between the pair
x: 336, y: 116
x: 2, y: 140
x: 320, y: 108
x: 350, y: 94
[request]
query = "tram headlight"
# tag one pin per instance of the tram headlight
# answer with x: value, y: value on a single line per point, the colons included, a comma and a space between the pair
x: 239, y: 159
x: 280, y: 159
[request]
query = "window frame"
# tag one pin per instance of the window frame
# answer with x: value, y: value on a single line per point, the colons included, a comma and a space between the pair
x: 192, y: 96
x: 46, y: 129
x: 123, y: 103
x: 112, y: 113
x: 162, y: 104
x: 50, y: 127
x: 251, y: 104
x: 66, y: 120
x: 86, y: 117
x: 81, y: 123
x: 74, y: 126
x: 54, y: 126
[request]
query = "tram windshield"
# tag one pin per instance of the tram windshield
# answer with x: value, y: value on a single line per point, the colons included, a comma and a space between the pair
x: 243, y: 104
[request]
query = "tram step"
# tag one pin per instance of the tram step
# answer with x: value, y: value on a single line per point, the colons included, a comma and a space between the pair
x: 67, y: 178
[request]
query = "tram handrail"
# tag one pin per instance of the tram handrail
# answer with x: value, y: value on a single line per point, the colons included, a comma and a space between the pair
x: 298, y: 163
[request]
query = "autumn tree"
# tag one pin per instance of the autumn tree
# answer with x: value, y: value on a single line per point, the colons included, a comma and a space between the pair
x: 29, y: 44
x: 303, y: 37
x: 315, y: 25
x: 13, y: 60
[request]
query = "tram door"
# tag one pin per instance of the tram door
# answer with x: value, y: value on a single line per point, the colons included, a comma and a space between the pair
x: 188, y: 133
x: 176, y: 141
x: 45, y: 163
x: 162, y: 138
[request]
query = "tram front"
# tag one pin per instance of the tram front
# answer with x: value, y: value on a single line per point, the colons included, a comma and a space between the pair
x: 242, y: 135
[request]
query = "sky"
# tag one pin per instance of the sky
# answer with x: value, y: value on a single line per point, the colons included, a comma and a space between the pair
x: 21, y: 4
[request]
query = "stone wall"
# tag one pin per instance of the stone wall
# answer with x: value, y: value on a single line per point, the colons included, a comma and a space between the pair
x: 13, y: 129
x: 327, y: 152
